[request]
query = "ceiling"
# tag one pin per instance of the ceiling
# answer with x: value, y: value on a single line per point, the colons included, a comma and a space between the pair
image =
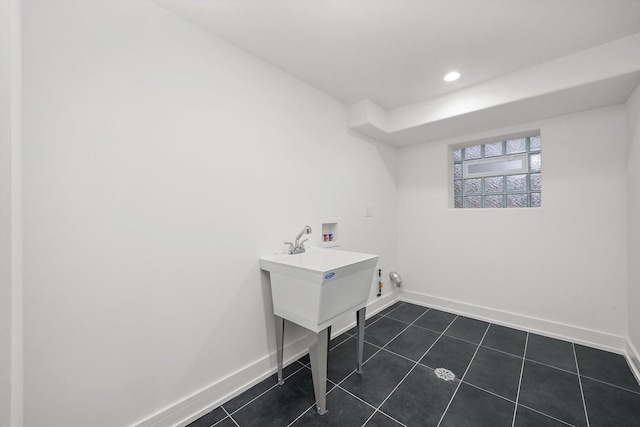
x: 396, y: 52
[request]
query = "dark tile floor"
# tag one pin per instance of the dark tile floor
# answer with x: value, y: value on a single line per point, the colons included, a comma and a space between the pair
x: 497, y: 376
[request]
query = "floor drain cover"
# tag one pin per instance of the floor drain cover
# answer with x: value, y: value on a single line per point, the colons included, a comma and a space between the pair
x: 445, y: 374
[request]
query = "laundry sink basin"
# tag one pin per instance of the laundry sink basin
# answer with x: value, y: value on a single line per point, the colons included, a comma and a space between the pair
x: 314, y: 288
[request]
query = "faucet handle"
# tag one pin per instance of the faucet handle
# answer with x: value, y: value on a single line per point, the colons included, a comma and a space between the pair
x: 302, y: 243
x: 290, y: 246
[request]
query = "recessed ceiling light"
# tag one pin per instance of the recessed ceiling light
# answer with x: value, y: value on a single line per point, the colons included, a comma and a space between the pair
x: 454, y: 75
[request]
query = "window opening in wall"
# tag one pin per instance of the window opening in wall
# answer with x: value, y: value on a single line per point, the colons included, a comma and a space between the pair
x: 498, y: 174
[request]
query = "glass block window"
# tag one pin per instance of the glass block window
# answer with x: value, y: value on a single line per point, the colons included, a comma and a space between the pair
x: 498, y: 174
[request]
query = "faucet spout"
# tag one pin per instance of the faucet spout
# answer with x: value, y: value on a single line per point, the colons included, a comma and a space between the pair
x: 305, y: 230
x: 298, y: 247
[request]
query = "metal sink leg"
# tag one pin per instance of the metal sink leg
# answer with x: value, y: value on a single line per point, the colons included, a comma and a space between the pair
x: 360, y: 320
x: 318, y: 356
x: 279, y: 345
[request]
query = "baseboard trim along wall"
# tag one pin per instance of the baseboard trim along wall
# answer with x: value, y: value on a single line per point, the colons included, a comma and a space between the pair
x: 202, y: 402
x: 633, y: 358
x: 588, y: 337
x: 190, y: 409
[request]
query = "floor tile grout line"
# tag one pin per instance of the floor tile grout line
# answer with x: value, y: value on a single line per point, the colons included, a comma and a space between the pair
x: 551, y: 366
x: 229, y: 415
x: 404, y: 357
x: 609, y: 384
x: 546, y: 415
x: 584, y: 404
x: 338, y: 385
x: 463, y: 375
x: 401, y: 303
x: 383, y: 414
x: 456, y: 338
x: 463, y: 340
x: 505, y: 352
x: 360, y: 399
x: 340, y: 343
x: 388, y: 416
x: 355, y: 396
x: 414, y: 366
x: 303, y: 412
x: 489, y: 391
x: 404, y: 321
x: 583, y: 376
x: 515, y: 410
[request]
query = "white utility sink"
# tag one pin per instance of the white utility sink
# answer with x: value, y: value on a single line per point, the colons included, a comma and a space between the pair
x: 313, y: 288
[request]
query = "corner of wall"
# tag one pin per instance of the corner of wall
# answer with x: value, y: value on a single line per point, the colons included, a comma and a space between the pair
x: 11, y: 341
x: 633, y: 357
x: 633, y: 227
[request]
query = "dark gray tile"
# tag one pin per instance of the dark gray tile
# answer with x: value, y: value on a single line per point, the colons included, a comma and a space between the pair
x: 450, y: 353
x: 413, y: 342
x: 382, y: 373
x: 280, y: 405
x: 553, y: 392
x: 209, y: 419
x: 610, y: 406
x: 383, y: 331
x: 304, y: 360
x: 435, y: 320
x: 496, y: 372
x: 244, y: 398
x: 421, y: 398
x: 407, y: 313
x: 342, y: 410
x: 604, y: 366
x: 551, y: 351
x: 505, y: 339
x: 474, y: 407
x: 343, y: 359
x: 391, y: 308
x: 335, y: 341
x: 381, y: 420
x: 525, y: 417
x: 467, y: 329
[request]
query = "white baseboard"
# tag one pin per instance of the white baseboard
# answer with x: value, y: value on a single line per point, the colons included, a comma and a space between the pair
x: 633, y: 357
x: 588, y: 337
x: 204, y: 401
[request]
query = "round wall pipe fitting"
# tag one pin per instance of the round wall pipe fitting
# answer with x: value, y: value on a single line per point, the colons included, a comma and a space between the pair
x: 395, y: 278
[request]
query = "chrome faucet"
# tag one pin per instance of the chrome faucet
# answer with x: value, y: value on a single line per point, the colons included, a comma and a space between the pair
x: 298, y: 246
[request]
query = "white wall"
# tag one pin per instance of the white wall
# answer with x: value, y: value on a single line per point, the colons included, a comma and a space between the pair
x: 563, y: 263
x: 159, y: 164
x: 633, y: 215
x: 10, y: 217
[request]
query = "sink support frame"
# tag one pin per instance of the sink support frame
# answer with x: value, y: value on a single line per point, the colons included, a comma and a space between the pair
x: 318, y: 354
x: 280, y: 344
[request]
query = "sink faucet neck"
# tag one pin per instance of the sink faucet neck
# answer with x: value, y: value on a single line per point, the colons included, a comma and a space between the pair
x: 298, y: 246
